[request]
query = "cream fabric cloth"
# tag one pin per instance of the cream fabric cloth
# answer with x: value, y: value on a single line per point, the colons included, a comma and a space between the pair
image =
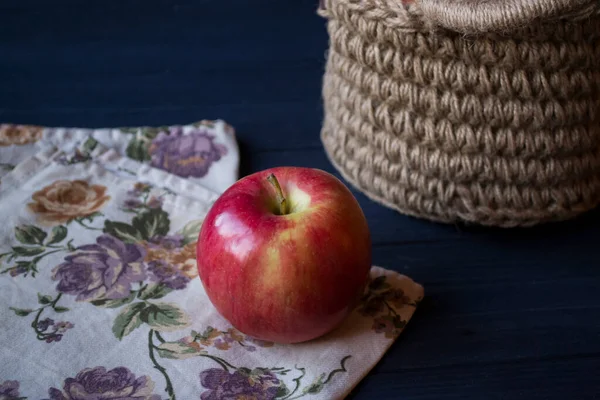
x: 189, y: 151
x: 100, y: 295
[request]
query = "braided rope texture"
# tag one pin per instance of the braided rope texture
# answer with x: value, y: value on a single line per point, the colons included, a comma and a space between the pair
x: 496, y: 129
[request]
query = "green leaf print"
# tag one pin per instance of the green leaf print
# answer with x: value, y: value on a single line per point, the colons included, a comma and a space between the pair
x: 128, y: 320
x: 29, y: 234
x: 138, y: 150
x: 89, y: 145
x: 28, y: 266
x: 21, y: 312
x: 164, y: 317
x: 176, y: 350
x: 129, y: 130
x: 282, y: 391
x: 381, y: 302
x: 191, y: 231
x: 151, y: 223
x: 44, y: 299
x: 57, y: 235
x: 61, y: 309
x: 315, y: 387
x: 154, y: 292
x: 123, y: 231
x: 27, y: 251
x: 114, y: 303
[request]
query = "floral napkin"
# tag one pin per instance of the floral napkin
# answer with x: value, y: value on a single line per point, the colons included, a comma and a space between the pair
x: 189, y: 151
x: 100, y: 297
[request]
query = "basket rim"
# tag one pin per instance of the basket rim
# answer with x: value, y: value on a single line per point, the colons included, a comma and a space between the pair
x: 466, y: 16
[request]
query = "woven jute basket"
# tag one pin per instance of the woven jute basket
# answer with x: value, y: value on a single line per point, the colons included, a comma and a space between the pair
x: 484, y: 111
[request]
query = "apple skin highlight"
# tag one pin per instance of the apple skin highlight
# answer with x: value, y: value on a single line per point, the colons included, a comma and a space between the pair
x: 285, y: 278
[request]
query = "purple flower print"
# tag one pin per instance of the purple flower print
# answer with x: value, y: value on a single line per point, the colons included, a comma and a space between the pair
x: 104, y: 270
x: 100, y: 384
x: 138, y: 189
x: 9, y: 390
x: 222, y: 385
x: 16, y: 271
x: 138, y: 198
x: 155, y: 202
x: 50, y: 331
x: 77, y: 157
x: 188, y: 155
x: 132, y: 204
x: 223, y: 343
x: 167, y: 274
x: 167, y: 242
x: 53, y: 337
x: 45, y: 324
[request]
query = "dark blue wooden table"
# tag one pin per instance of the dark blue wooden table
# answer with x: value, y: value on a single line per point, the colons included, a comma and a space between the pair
x: 509, y: 314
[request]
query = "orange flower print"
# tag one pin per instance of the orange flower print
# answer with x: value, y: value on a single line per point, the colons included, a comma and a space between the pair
x: 209, y: 336
x: 185, y: 258
x: 63, y: 201
x: 19, y: 134
x: 182, y: 258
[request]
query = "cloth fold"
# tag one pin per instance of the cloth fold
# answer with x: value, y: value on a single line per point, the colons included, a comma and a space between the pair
x: 101, y: 296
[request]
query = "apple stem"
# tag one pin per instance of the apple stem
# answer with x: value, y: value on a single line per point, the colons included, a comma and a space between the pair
x: 280, y: 197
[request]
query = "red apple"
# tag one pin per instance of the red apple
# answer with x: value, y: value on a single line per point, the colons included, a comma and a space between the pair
x: 284, y: 254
